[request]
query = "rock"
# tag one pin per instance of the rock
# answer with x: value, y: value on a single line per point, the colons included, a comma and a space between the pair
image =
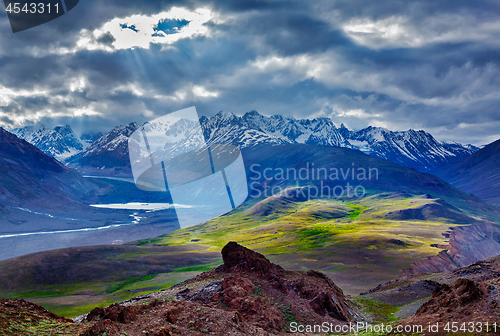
x: 127, y: 315
x: 172, y: 314
x: 324, y: 304
x: 325, y: 300
x: 104, y: 327
x: 450, y: 298
x: 115, y: 313
x: 240, y: 259
x: 236, y: 287
x: 208, y: 292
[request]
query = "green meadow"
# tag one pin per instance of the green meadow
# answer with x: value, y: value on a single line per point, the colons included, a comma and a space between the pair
x: 358, y: 243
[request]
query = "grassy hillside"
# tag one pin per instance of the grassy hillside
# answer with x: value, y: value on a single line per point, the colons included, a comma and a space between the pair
x: 359, y: 244
x: 358, y: 241
x: 72, y: 281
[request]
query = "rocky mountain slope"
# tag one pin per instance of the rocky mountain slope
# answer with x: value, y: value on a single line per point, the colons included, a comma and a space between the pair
x: 478, y: 174
x: 249, y: 295
x: 466, y: 245
x: 106, y: 156
x: 19, y: 317
x: 463, y: 295
x: 246, y: 295
x: 463, y: 301
x: 415, y: 149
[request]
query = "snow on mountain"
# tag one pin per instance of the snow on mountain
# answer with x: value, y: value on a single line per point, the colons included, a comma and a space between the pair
x: 171, y: 138
x: 285, y: 128
x: 106, y: 156
x: 88, y: 139
x: 60, y: 142
x: 321, y: 131
x: 228, y: 128
x: 459, y: 149
x: 109, y: 154
x: 324, y: 132
x: 416, y: 149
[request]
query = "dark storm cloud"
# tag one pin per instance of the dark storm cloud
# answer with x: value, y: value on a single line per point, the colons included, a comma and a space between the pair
x: 7, y: 121
x: 26, y: 72
x: 416, y: 10
x: 251, y: 5
x: 291, y: 32
x: 106, y: 39
x: 398, y: 64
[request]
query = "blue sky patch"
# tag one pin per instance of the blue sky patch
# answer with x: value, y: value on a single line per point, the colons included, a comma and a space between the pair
x: 126, y: 26
x: 170, y: 26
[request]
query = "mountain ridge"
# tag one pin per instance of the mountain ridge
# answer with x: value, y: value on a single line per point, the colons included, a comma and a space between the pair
x: 478, y: 174
x: 29, y: 176
x: 106, y: 155
x: 60, y: 142
x: 415, y: 149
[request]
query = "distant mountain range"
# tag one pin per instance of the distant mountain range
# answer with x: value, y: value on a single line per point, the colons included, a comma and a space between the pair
x: 415, y: 149
x: 60, y: 142
x: 478, y: 174
x: 94, y: 153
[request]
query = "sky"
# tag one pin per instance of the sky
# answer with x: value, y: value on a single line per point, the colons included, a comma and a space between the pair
x: 398, y: 64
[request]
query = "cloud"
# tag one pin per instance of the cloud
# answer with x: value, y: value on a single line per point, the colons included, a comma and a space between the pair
x: 18, y: 106
x: 202, y: 92
x: 140, y: 31
x: 426, y: 64
x: 402, y: 32
x: 8, y: 96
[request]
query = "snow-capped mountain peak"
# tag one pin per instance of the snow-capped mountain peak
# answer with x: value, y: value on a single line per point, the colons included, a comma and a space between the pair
x: 416, y: 149
x: 60, y: 142
x: 109, y: 153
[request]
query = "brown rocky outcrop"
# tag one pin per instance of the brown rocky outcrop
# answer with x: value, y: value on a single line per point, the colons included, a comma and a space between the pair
x: 115, y: 313
x: 248, y: 294
x: 450, y: 298
x: 239, y: 259
x: 464, y: 301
